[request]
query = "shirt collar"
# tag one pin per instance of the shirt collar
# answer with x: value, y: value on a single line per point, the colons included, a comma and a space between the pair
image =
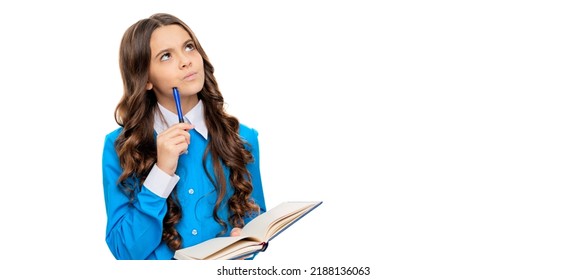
x: 165, y: 118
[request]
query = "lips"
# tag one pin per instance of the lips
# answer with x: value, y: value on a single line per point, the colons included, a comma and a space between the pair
x: 190, y: 76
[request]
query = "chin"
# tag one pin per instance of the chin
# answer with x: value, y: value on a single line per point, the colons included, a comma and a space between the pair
x: 193, y: 89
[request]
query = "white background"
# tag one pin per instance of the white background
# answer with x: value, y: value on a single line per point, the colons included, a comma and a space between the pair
x: 445, y: 138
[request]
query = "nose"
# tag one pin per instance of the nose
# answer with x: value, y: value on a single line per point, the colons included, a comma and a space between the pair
x: 184, y: 62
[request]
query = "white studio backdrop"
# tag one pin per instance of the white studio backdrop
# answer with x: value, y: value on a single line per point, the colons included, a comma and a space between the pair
x: 445, y: 139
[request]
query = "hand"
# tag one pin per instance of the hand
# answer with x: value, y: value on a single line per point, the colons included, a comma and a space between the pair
x: 236, y: 232
x: 171, y: 143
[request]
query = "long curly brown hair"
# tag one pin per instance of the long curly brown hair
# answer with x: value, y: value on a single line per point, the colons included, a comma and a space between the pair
x: 136, y: 145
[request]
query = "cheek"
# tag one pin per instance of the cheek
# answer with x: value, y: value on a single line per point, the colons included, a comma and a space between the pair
x: 199, y: 64
x: 152, y: 75
x: 156, y: 75
x: 197, y: 59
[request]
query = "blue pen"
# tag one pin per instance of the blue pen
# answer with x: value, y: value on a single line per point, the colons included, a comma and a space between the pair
x: 178, y: 104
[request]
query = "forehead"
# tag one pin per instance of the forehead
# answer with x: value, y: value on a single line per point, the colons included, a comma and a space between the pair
x: 168, y: 36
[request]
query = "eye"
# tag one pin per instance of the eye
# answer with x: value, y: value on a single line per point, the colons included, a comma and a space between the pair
x: 165, y: 56
x: 190, y: 47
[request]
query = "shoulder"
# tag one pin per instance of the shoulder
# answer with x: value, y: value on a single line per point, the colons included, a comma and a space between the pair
x: 109, y: 155
x: 247, y: 132
x: 113, y: 135
x: 249, y: 135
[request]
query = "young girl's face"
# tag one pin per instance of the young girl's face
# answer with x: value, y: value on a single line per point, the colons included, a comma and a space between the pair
x: 175, y: 62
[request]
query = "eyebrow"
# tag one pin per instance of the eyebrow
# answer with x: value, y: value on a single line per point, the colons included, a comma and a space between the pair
x: 168, y: 49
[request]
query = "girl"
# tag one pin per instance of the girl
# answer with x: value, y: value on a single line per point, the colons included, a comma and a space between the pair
x: 167, y: 184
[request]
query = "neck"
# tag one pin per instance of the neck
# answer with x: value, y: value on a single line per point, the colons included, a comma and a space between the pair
x: 187, y: 103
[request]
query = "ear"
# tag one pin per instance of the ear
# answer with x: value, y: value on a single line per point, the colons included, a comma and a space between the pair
x: 149, y: 86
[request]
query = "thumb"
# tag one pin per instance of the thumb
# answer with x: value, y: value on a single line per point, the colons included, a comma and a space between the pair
x: 235, y: 232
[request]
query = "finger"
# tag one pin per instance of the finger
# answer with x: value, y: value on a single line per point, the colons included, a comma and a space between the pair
x: 172, y: 134
x: 172, y: 140
x: 177, y: 139
x: 182, y: 126
x: 246, y: 257
x: 175, y: 147
x: 235, y: 232
x: 180, y: 136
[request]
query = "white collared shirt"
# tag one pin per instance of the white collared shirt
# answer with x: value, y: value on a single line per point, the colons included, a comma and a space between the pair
x: 195, y: 117
x: 158, y: 181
